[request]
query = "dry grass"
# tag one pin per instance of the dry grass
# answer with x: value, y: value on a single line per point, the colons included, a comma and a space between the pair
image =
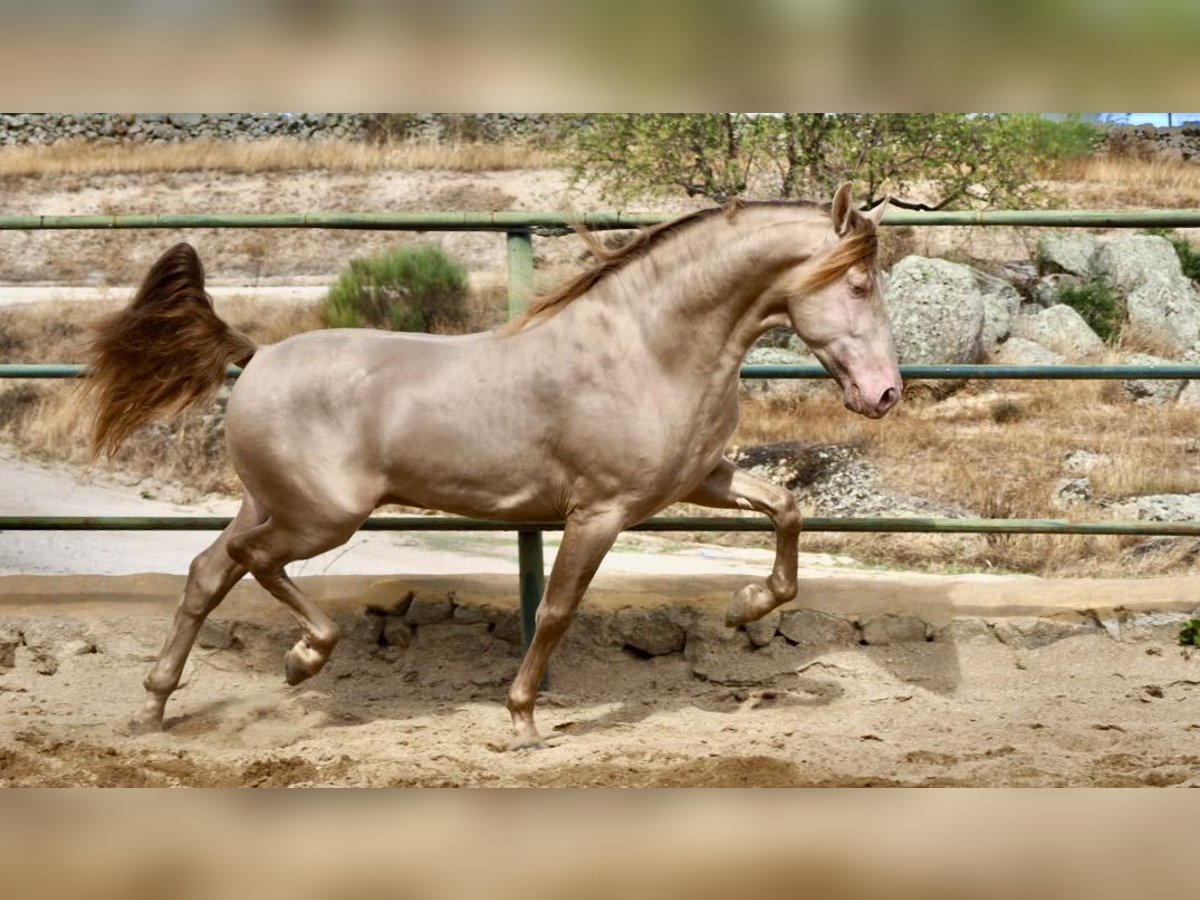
x: 274, y: 155
x: 997, y: 450
x: 1120, y: 182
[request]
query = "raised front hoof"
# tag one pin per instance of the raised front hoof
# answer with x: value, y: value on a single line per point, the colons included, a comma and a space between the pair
x: 752, y: 602
x: 303, y: 662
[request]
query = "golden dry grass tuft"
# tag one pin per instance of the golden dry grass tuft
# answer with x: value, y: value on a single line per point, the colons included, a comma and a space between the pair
x: 274, y: 155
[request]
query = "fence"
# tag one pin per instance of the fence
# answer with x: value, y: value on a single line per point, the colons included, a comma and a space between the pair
x: 519, y: 230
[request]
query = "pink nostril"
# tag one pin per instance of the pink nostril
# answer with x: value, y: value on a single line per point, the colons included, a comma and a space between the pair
x: 888, y: 400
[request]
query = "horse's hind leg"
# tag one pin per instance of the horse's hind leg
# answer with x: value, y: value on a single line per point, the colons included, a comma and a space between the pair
x: 264, y: 551
x: 210, y: 577
x: 728, y: 487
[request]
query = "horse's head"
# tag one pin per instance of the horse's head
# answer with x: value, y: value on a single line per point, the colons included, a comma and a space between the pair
x: 838, y: 310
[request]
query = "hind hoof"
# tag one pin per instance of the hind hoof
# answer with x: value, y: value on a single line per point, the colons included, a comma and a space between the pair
x: 302, y: 662
x: 144, y: 725
x: 752, y: 602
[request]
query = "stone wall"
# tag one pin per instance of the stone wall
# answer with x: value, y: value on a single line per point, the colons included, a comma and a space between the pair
x: 46, y: 128
x: 1147, y: 143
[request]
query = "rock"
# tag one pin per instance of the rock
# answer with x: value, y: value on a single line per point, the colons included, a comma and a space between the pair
x: 1068, y: 253
x: 1167, y: 306
x: 507, y: 627
x: 470, y: 615
x: 1131, y: 260
x: 51, y: 642
x: 813, y: 628
x: 893, y: 629
x: 367, y: 629
x: 429, y: 612
x: 1018, y: 351
x: 1081, y: 462
x: 1028, y: 633
x: 1061, y: 329
x: 762, y: 631
x: 397, y: 632
x: 10, y: 639
x: 1000, y: 303
x: 1160, y: 508
x: 967, y: 628
x: 1189, y: 396
x: 1068, y: 492
x: 1045, y: 290
x: 654, y: 632
x: 1152, y: 392
x: 937, y: 311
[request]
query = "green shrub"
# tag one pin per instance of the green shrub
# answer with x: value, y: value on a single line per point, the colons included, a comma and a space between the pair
x: 405, y: 289
x: 1071, y: 138
x: 1189, y: 635
x: 1189, y: 258
x: 1098, y: 304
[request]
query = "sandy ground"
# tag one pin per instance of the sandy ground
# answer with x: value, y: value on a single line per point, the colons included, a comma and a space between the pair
x: 965, y: 680
x: 1008, y: 680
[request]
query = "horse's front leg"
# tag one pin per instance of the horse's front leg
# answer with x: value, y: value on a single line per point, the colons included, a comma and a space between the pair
x: 587, y: 537
x: 728, y: 487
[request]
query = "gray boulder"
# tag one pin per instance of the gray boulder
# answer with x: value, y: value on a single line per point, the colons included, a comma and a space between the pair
x: 1166, y: 305
x: 1160, y: 508
x: 813, y: 628
x: 937, y: 311
x: 1018, y: 351
x: 654, y: 632
x: 1000, y: 303
x: 1131, y: 260
x: 1061, y: 329
x: 1070, y: 253
x: 1146, y: 390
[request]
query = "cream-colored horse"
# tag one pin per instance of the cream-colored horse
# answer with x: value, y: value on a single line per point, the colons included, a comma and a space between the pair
x: 612, y: 398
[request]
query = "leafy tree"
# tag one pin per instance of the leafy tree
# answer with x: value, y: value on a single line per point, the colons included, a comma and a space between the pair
x: 924, y: 160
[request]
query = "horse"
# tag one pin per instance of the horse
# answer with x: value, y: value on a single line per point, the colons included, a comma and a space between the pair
x: 611, y: 398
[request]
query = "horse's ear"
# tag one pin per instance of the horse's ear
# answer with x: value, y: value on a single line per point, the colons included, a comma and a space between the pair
x: 876, y: 214
x: 842, y: 210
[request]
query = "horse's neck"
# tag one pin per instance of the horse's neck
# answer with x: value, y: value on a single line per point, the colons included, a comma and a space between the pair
x: 708, y: 295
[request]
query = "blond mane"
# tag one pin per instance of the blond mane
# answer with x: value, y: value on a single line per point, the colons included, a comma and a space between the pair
x: 859, y: 247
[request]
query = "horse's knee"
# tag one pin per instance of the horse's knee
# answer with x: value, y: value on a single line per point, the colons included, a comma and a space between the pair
x: 788, y: 519
x: 552, y: 621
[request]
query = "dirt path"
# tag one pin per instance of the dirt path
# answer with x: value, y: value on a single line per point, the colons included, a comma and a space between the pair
x: 876, y: 678
x: 1019, y: 701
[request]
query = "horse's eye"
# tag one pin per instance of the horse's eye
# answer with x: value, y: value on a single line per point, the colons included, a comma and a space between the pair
x: 858, y: 291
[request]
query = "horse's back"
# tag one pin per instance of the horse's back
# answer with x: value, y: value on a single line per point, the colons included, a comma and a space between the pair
x: 310, y: 410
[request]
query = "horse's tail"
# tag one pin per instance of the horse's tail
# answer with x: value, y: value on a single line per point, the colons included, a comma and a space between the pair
x: 165, y: 351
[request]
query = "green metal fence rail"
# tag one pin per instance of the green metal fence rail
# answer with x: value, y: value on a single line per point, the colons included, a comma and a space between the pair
x: 561, y: 223
x: 909, y: 373
x: 519, y: 229
x: 695, y: 524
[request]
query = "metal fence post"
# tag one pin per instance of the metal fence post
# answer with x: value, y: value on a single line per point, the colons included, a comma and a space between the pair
x: 530, y: 553
x: 533, y: 579
x: 520, y: 271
